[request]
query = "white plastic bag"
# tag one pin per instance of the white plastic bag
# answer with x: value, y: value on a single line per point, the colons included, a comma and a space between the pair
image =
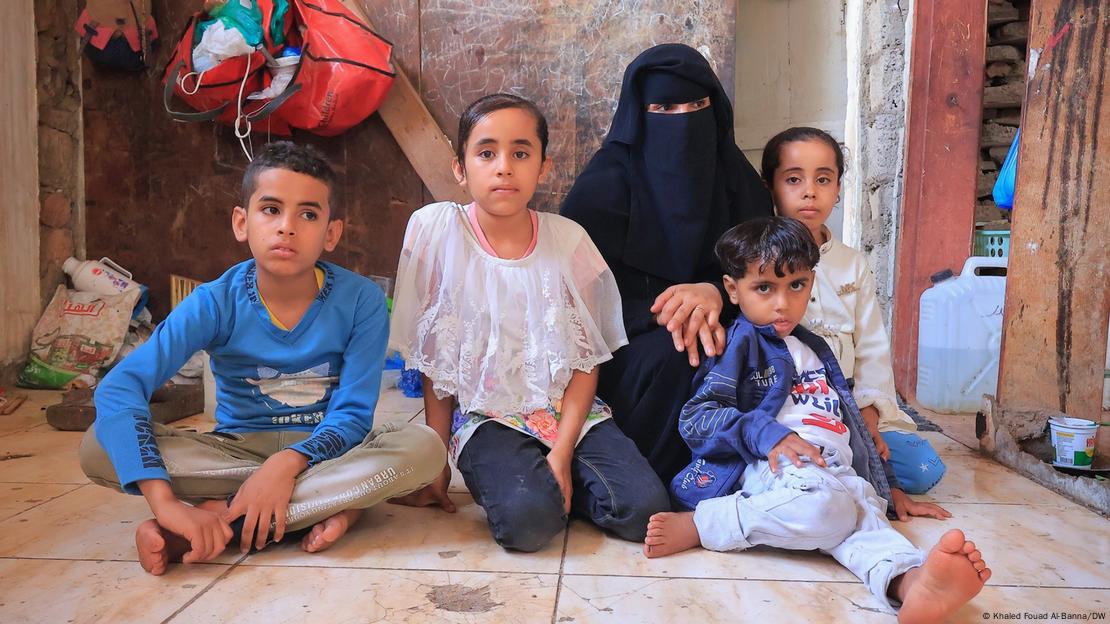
x: 217, y: 44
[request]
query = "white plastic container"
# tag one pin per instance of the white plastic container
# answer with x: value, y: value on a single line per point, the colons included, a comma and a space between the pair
x: 959, y: 335
x: 104, y: 277
x: 1074, y: 441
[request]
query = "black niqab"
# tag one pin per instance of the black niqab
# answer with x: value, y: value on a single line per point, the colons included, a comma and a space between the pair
x: 677, y: 181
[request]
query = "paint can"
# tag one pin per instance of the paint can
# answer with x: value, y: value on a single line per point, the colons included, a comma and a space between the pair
x: 1074, y: 441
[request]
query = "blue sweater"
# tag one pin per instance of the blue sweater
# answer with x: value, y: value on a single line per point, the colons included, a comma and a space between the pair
x: 731, y: 420
x: 322, y: 376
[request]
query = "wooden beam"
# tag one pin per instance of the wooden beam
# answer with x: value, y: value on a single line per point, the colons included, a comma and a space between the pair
x: 425, y: 145
x: 941, y: 161
x: 19, y: 185
x: 1058, y: 284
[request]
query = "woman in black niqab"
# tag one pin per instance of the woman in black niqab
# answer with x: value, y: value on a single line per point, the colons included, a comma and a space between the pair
x: 666, y: 183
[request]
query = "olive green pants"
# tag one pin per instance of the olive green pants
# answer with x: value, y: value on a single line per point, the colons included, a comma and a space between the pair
x: 393, y: 460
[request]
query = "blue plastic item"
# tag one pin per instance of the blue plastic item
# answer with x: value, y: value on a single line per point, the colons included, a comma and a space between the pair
x: 410, y: 383
x: 1004, y: 187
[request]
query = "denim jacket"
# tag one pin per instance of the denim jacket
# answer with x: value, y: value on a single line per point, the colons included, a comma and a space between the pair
x: 731, y: 420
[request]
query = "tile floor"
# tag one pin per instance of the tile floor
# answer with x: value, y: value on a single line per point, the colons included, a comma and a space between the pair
x: 66, y: 555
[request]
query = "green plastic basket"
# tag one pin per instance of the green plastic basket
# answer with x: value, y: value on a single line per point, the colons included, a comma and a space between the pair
x: 992, y: 243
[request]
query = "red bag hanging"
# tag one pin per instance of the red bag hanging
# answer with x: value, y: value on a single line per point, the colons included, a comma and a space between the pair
x: 344, y: 73
x: 219, y: 94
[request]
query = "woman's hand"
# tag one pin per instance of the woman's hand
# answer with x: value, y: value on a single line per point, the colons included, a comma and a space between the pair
x: 692, y: 312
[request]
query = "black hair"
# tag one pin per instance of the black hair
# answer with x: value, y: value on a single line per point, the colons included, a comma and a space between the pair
x: 781, y: 242
x: 287, y: 155
x: 487, y: 104
x: 772, y: 152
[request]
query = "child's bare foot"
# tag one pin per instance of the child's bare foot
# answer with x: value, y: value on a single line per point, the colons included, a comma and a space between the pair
x: 328, y: 532
x: 157, y: 547
x: 669, y: 533
x: 952, y: 575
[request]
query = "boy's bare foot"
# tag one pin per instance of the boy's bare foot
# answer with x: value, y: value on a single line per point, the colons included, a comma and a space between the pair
x: 669, y: 533
x: 157, y: 547
x: 328, y: 532
x: 952, y: 575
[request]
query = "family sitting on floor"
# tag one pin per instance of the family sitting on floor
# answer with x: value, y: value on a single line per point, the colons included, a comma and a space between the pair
x: 684, y: 356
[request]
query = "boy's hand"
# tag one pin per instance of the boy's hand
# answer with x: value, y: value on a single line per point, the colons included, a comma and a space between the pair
x: 559, y: 462
x: 794, y: 448
x: 435, y: 493
x: 264, y: 498
x: 207, y: 532
x: 905, y: 507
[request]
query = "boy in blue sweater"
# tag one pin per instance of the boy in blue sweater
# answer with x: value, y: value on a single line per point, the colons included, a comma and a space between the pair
x: 782, y: 457
x: 297, y: 347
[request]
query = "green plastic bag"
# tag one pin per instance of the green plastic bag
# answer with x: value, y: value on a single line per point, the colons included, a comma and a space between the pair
x: 242, y: 15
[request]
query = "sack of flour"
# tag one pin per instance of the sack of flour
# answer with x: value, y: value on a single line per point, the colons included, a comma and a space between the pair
x: 79, y: 334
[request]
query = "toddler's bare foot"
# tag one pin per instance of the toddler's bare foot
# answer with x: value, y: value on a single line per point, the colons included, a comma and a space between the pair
x: 669, y: 533
x: 328, y: 532
x: 157, y: 547
x: 952, y: 575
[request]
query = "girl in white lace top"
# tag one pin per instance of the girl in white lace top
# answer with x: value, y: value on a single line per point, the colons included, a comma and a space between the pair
x: 802, y: 167
x: 507, y: 313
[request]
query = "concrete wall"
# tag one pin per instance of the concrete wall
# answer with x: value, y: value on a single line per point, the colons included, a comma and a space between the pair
x: 19, y: 185
x: 790, y: 71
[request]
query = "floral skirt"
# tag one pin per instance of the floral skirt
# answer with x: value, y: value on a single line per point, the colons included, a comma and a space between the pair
x: 542, y: 424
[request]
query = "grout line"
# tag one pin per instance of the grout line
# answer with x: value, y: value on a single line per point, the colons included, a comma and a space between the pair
x: 299, y: 565
x: 807, y: 581
x: 102, y: 560
x: 81, y: 483
x: 205, y: 590
x: 236, y: 564
x: 559, y: 578
x: 41, y: 503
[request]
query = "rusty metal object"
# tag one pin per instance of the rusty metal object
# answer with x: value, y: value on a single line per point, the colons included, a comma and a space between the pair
x: 169, y: 403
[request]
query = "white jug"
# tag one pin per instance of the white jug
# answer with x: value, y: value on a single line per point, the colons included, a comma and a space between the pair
x: 104, y: 277
x: 959, y: 338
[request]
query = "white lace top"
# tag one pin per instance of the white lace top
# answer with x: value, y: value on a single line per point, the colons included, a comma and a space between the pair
x: 844, y: 310
x: 502, y: 336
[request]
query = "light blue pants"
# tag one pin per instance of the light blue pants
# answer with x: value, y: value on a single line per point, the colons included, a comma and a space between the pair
x: 915, y: 463
x: 811, y: 508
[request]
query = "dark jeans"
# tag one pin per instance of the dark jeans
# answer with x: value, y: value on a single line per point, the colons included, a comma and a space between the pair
x: 508, y: 475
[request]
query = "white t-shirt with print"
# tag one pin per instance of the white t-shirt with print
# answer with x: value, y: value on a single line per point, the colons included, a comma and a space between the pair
x: 813, y: 407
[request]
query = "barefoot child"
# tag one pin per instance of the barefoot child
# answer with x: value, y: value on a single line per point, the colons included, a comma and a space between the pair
x: 297, y: 347
x: 781, y: 454
x: 803, y: 167
x: 507, y: 313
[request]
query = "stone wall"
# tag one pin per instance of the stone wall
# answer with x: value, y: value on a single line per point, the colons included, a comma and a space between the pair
x: 1003, y: 90
x: 61, y: 170
x: 876, y: 32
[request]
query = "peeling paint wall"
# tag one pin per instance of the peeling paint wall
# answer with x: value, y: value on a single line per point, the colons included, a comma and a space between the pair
x: 791, y: 59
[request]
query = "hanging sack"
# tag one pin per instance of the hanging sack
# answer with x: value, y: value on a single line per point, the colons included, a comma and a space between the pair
x: 219, y: 93
x: 344, y: 71
x: 111, y: 35
x: 1004, y: 186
